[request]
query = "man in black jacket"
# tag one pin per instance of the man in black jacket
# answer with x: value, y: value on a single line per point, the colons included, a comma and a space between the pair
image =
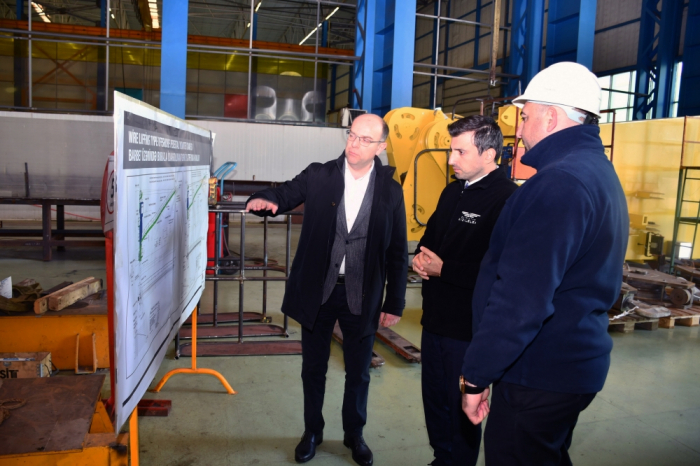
x: 352, y: 242
x: 448, y: 258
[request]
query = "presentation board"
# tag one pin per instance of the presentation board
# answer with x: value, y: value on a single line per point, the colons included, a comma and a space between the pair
x: 161, y: 174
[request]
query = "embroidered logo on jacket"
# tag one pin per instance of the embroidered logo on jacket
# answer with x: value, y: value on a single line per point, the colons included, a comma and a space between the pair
x: 469, y: 218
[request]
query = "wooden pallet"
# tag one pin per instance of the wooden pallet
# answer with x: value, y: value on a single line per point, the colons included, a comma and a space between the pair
x: 683, y: 317
x: 631, y: 322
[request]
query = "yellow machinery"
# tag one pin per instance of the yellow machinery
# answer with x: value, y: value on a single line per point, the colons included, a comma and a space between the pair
x: 657, y: 161
x: 650, y: 157
x: 418, y: 144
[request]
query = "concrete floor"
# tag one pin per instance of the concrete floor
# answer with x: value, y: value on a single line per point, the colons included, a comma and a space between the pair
x: 647, y: 414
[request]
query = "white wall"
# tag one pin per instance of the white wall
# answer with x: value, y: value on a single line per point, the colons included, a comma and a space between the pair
x: 66, y: 154
x: 271, y: 152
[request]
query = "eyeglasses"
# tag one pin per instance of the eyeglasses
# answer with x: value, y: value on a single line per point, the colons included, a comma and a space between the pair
x: 364, y: 141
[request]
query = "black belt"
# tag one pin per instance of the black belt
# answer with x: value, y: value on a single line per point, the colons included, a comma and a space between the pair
x: 340, y: 280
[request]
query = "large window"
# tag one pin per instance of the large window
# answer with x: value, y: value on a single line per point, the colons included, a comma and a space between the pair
x: 618, y: 94
x: 676, y: 89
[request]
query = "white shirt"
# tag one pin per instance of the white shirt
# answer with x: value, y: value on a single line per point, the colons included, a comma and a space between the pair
x: 354, y: 193
x: 469, y: 183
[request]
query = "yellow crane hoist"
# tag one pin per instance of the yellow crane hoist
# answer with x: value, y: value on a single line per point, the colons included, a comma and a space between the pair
x: 418, y: 146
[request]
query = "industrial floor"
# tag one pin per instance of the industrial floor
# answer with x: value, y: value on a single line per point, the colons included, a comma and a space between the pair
x: 647, y: 414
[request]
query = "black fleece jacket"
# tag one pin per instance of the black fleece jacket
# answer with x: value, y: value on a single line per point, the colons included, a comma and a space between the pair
x: 552, y: 272
x: 458, y: 232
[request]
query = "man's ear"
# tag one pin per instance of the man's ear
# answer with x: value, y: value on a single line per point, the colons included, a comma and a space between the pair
x: 489, y: 154
x: 380, y: 148
x: 551, y: 118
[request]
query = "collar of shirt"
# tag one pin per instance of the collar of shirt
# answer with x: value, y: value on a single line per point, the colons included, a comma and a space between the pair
x: 351, y: 179
x: 469, y: 183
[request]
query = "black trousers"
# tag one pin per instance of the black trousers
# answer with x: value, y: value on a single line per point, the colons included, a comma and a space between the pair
x: 357, y: 353
x: 455, y: 440
x: 527, y: 426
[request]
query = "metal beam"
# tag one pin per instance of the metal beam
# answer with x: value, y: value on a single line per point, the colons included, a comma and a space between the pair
x: 689, y: 101
x: 526, y: 43
x: 364, y: 49
x: 173, y: 67
x: 435, y: 52
x: 656, y: 56
x: 669, y: 40
x: 404, y: 42
x: 385, y: 41
x: 101, y: 102
x: 570, y: 31
x: 20, y: 63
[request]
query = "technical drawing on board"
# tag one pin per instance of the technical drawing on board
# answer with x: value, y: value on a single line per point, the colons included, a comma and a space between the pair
x: 162, y: 168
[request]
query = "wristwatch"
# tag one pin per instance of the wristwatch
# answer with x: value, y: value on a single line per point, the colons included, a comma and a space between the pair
x: 468, y: 389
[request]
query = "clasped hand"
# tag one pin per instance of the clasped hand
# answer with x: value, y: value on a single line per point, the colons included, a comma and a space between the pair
x: 427, y: 264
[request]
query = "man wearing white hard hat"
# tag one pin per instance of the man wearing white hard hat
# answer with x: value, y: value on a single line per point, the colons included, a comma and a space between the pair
x: 552, y: 271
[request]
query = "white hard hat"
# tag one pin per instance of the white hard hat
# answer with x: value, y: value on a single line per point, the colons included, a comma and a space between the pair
x: 564, y: 83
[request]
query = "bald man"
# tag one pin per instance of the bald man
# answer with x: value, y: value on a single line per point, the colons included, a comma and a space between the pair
x: 352, y: 242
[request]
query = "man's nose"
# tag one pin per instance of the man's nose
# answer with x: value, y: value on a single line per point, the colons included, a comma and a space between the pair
x: 451, y: 159
x: 519, y: 131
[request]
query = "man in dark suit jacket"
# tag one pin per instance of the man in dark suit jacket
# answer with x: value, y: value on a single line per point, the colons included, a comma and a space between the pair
x: 352, y: 242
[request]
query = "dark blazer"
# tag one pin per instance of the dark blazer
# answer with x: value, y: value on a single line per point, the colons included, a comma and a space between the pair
x: 320, y: 188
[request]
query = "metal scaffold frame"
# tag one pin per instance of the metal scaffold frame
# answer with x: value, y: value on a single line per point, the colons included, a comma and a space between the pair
x: 689, y: 171
x: 246, y: 321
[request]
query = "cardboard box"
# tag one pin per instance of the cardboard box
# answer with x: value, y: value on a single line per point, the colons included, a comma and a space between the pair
x: 25, y: 365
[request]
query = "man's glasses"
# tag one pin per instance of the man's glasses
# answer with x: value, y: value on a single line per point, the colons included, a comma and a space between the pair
x: 364, y: 140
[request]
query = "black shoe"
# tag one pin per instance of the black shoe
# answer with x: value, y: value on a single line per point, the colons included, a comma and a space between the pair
x: 360, y: 451
x: 307, y: 447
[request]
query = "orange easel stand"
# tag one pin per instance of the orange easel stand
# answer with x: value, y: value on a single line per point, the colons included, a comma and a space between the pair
x: 194, y: 369
x: 134, y: 436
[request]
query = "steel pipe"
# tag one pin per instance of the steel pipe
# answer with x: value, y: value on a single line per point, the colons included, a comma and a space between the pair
x: 29, y: 56
x: 437, y: 52
x: 461, y: 78
x: 470, y: 70
x: 107, y: 14
x: 87, y: 40
x: 415, y: 178
x: 463, y: 21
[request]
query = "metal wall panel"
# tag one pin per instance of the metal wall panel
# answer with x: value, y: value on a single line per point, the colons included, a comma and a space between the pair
x: 272, y: 152
x: 67, y: 154
x: 616, y: 46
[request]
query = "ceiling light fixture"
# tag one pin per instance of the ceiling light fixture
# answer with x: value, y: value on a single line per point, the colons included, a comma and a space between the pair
x: 258, y: 7
x: 41, y: 12
x: 332, y: 13
x: 153, y: 8
x: 319, y: 25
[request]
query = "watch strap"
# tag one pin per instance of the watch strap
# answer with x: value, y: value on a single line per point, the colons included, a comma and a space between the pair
x: 468, y: 389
